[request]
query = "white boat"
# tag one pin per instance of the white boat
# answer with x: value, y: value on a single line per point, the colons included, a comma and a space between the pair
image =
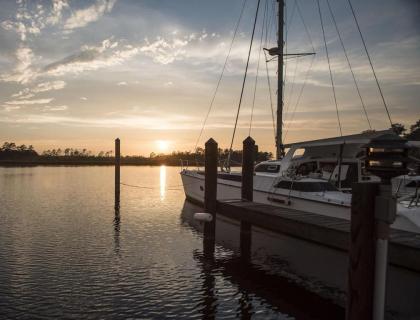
x: 313, y: 176
x: 274, y: 185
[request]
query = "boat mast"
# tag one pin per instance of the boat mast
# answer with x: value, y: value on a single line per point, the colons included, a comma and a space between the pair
x: 280, y: 45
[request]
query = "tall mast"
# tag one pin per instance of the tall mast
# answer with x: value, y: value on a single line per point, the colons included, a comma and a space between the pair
x: 280, y: 45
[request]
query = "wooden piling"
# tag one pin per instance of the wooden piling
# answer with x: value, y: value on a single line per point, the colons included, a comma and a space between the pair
x: 362, y: 252
x: 248, y: 159
x: 117, y: 173
x: 247, y: 191
x: 210, y: 194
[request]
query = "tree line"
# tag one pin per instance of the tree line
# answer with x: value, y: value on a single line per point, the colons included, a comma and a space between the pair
x: 10, y: 152
x: 412, y: 134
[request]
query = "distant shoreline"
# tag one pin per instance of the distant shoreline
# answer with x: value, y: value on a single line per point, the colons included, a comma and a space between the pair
x: 9, y: 164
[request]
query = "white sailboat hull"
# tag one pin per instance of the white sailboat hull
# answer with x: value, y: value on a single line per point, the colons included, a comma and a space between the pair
x: 322, y: 204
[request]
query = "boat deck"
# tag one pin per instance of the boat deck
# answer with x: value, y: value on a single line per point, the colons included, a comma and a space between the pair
x: 404, y: 248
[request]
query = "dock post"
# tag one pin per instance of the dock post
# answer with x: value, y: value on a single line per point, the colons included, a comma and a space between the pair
x: 210, y: 195
x: 361, y: 270
x: 117, y: 173
x: 247, y: 190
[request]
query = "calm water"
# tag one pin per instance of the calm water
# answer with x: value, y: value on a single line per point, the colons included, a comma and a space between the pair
x: 65, y: 252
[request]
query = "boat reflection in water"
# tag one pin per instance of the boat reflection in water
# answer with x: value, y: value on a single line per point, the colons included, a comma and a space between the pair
x: 297, y: 276
x: 266, y: 275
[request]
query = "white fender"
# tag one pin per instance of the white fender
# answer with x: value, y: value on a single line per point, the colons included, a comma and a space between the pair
x: 203, y: 216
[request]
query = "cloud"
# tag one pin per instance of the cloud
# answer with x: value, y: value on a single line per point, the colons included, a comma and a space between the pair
x: 23, y: 71
x: 83, y: 17
x: 108, y: 53
x: 163, y: 51
x: 150, y: 121
x: 56, y: 11
x: 83, y: 98
x: 122, y: 83
x: 30, y: 19
x: 38, y: 101
x: 54, y: 108
x: 11, y: 108
x: 40, y: 87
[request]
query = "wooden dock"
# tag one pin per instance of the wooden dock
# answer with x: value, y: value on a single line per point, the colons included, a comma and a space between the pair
x: 404, y: 248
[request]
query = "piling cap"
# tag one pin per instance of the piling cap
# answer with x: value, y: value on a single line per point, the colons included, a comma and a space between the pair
x: 249, y: 141
x: 211, y: 141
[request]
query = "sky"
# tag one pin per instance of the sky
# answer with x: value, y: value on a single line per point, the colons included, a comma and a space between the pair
x: 81, y: 73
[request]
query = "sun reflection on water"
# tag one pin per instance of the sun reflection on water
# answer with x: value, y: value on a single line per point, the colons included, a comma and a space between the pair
x: 162, y: 182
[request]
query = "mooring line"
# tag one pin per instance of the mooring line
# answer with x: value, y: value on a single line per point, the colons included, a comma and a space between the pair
x: 172, y: 188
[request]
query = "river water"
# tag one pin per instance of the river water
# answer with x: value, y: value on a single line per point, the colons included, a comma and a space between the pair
x: 66, y: 253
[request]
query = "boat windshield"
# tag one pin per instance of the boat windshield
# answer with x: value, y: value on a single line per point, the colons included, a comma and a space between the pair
x: 306, y: 186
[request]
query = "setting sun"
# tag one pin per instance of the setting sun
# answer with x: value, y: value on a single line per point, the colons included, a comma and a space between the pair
x: 162, y: 145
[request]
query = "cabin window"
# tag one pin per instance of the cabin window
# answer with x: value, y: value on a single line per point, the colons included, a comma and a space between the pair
x: 269, y: 168
x: 298, y: 153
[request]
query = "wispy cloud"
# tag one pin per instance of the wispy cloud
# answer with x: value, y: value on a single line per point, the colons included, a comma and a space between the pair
x: 23, y: 71
x: 55, y: 108
x: 82, y: 17
x: 31, y: 18
x: 163, y: 51
x: 108, y: 53
x: 40, y: 87
x: 24, y: 102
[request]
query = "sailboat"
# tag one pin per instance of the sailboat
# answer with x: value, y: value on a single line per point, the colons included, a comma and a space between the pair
x: 317, y: 180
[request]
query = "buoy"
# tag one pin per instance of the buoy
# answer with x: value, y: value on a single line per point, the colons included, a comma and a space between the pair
x: 203, y: 216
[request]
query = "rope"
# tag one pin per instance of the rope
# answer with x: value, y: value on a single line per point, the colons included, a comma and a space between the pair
x: 370, y: 62
x: 221, y: 75
x: 329, y: 67
x: 243, y: 83
x: 172, y: 188
x: 258, y: 69
x: 348, y: 62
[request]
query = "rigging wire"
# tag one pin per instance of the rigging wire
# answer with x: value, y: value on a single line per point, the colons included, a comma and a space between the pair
x: 299, y: 96
x: 288, y: 25
x: 221, y: 74
x: 267, y: 34
x: 370, y: 62
x: 258, y: 68
x: 348, y: 62
x: 329, y: 67
x: 292, y: 117
x: 305, y: 26
x: 270, y: 95
x: 290, y: 95
x: 243, y: 83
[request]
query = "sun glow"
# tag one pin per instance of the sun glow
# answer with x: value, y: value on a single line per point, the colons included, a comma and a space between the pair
x: 163, y: 145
